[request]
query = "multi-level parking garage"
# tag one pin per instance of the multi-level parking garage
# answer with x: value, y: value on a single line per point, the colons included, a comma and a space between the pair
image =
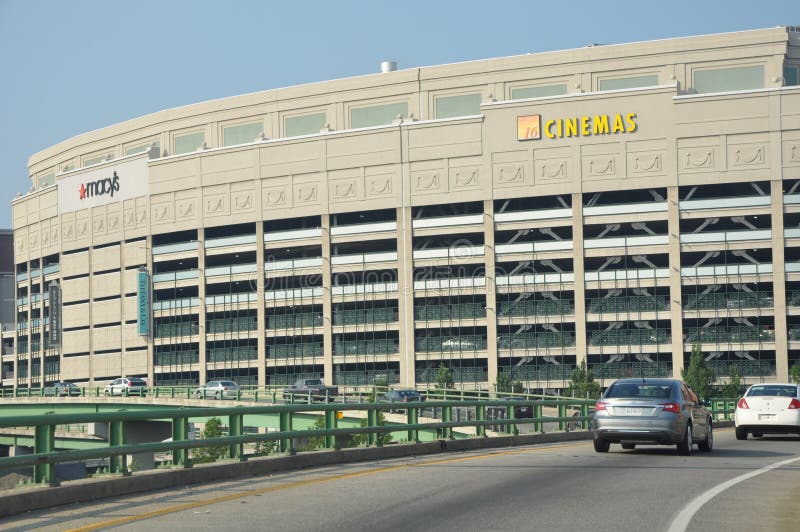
x: 614, y: 204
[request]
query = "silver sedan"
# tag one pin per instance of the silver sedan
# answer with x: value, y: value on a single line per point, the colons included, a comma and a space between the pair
x: 644, y: 411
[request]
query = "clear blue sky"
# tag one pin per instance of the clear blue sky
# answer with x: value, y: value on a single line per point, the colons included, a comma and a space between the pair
x: 67, y: 67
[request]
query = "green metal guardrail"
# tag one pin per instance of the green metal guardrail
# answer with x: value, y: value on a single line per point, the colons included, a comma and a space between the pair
x: 45, y: 456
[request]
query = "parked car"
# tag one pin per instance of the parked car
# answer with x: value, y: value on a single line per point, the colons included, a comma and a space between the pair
x: 62, y: 389
x: 646, y: 411
x: 521, y: 410
x: 126, y: 386
x: 218, y: 390
x: 403, y: 396
x: 311, y: 390
x: 768, y: 409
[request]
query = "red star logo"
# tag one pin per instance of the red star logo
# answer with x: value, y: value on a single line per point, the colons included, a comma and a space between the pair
x: 82, y: 191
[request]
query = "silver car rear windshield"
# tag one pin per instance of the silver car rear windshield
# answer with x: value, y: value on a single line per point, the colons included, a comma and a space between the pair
x: 772, y: 390
x: 643, y: 390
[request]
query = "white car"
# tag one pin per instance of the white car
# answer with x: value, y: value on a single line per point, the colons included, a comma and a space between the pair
x: 768, y: 409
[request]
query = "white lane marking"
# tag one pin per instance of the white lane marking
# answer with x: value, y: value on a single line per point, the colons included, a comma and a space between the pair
x: 684, y: 517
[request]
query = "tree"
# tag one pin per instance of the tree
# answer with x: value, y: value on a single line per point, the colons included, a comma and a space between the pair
x: 504, y: 384
x: 698, y: 375
x: 582, y: 383
x: 794, y: 373
x: 213, y: 429
x: 732, y: 388
x: 444, y: 379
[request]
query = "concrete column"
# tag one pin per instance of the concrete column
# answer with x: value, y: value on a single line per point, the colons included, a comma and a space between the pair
x: 150, y: 337
x: 491, y: 293
x: 201, y: 295
x: 779, y: 284
x: 579, y: 283
x: 327, y: 300
x: 261, y: 320
x: 405, y: 296
x: 675, y: 288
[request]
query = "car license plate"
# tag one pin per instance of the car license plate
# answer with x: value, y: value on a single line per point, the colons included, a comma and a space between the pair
x: 633, y: 411
x: 766, y: 416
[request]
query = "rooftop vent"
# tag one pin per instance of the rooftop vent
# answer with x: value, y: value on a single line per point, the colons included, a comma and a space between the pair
x: 388, y: 66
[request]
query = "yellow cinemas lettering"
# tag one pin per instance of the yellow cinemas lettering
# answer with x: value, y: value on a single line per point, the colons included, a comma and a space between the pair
x: 587, y: 126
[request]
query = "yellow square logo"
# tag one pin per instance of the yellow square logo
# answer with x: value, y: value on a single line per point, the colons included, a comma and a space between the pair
x: 529, y: 127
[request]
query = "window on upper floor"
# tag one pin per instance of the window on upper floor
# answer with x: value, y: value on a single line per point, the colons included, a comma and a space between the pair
x: 189, y: 142
x: 139, y: 148
x: 791, y: 75
x: 242, y: 133
x: 738, y: 78
x: 457, y: 105
x: 311, y: 124
x: 67, y: 167
x: 47, y: 179
x: 539, y: 91
x: 377, y: 115
x: 98, y: 158
x: 629, y: 82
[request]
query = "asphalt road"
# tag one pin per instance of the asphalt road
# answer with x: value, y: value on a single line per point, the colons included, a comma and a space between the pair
x: 554, y: 487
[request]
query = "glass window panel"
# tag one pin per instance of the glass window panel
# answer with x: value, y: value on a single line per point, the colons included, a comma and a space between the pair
x: 68, y: 167
x: 141, y: 147
x: 98, y: 159
x: 377, y: 115
x: 304, y: 124
x: 729, y: 79
x: 189, y: 143
x: 47, y: 180
x: 538, y: 92
x: 790, y: 76
x: 242, y: 133
x: 628, y: 83
x: 461, y: 105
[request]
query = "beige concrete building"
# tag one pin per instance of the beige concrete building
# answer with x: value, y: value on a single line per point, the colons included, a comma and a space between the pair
x: 614, y: 204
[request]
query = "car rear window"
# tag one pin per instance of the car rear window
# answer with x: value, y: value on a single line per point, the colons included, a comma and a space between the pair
x: 772, y: 390
x: 645, y: 390
x: 138, y: 382
x: 227, y: 383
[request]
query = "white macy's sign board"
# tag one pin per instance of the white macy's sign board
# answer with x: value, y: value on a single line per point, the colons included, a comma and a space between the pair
x: 126, y: 179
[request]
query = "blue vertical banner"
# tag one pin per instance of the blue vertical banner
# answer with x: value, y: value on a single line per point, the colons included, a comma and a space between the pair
x: 143, y: 302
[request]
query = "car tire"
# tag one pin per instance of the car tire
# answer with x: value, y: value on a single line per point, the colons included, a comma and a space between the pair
x: 685, y: 445
x: 217, y: 395
x: 628, y: 446
x: 708, y: 444
x: 105, y: 392
x: 601, y: 445
x: 741, y: 434
x: 758, y: 435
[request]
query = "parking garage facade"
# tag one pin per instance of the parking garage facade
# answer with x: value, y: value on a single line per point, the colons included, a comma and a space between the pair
x: 614, y: 205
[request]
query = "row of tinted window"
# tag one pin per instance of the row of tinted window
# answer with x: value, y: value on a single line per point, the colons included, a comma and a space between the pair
x: 704, y: 81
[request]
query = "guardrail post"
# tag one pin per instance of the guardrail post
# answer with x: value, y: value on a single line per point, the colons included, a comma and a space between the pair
x: 285, y: 425
x: 537, y: 415
x: 235, y: 428
x: 44, y: 442
x: 372, y: 422
x: 584, y: 413
x: 562, y: 413
x: 447, y: 416
x: 180, y: 432
x: 412, y: 416
x: 330, y: 424
x: 116, y: 437
x: 513, y: 427
x: 480, y: 415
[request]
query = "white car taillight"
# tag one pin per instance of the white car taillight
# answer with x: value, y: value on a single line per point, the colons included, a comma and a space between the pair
x: 742, y: 404
x: 599, y: 405
x: 794, y: 404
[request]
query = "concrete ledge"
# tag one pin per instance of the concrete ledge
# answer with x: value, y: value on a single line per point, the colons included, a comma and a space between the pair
x: 26, y: 499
